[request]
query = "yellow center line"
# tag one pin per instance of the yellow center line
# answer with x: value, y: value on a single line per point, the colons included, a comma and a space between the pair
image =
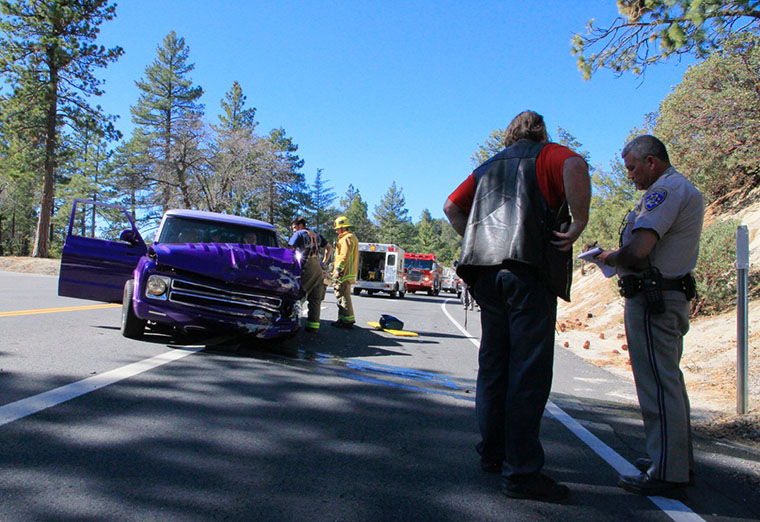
x: 53, y: 310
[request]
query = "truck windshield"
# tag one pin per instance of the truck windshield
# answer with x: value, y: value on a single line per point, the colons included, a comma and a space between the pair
x: 185, y: 230
x: 420, y: 264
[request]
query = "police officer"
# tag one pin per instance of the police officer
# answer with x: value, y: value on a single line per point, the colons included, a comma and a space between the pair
x: 659, y: 248
x: 308, y: 242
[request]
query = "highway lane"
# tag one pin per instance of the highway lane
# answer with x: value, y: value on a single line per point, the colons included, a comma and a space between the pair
x: 352, y: 425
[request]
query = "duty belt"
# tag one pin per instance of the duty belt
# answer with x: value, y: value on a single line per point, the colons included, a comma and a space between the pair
x: 632, y: 284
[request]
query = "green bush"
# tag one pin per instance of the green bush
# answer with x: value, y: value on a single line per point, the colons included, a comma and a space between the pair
x: 716, y: 271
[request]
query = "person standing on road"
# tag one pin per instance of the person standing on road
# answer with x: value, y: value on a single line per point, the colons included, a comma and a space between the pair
x: 308, y: 242
x: 514, y: 213
x: 659, y: 245
x: 344, y: 271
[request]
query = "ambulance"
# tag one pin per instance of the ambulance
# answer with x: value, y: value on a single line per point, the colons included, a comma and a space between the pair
x: 381, y: 269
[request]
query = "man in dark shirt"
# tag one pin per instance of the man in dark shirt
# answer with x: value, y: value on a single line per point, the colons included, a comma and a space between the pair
x: 307, y: 243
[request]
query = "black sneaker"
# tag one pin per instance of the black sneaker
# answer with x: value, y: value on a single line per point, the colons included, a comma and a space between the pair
x: 535, y: 487
x: 643, y: 464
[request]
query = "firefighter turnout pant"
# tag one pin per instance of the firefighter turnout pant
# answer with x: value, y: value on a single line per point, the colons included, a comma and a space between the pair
x: 343, y: 296
x: 313, y: 283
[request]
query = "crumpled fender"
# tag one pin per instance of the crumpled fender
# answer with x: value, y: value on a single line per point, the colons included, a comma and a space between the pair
x: 272, y: 269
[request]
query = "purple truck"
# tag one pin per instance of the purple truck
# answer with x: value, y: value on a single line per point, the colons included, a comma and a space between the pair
x: 204, y: 272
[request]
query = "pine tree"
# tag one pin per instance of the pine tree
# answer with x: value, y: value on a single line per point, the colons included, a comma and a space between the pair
x: 167, y: 118
x: 322, y: 198
x: 282, y: 179
x: 48, y: 54
x: 234, y: 114
x: 236, y: 161
x: 391, y: 216
x: 361, y: 225
x: 428, y: 238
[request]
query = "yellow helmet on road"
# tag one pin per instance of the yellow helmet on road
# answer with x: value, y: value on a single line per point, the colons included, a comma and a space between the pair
x: 342, y: 222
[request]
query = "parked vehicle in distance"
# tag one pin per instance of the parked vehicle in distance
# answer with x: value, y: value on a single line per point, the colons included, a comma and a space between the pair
x: 449, y: 280
x: 203, y: 272
x: 422, y: 273
x: 381, y: 269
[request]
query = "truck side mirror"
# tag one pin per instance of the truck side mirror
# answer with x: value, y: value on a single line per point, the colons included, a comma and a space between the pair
x: 130, y: 236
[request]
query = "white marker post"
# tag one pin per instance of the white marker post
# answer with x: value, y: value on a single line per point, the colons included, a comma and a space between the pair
x: 742, y: 353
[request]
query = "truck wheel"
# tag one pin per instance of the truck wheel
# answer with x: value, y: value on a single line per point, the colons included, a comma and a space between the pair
x: 357, y: 291
x: 132, y: 326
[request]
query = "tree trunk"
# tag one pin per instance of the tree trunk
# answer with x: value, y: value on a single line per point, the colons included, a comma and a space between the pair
x: 46, y: 205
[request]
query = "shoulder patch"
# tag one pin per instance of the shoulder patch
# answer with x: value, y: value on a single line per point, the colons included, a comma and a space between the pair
x: 654, y: 199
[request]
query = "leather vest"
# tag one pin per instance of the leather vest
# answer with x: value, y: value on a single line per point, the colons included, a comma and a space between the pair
x: 510, y: 224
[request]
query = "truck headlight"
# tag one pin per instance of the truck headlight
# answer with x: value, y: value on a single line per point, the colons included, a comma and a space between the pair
x: 157, y: 287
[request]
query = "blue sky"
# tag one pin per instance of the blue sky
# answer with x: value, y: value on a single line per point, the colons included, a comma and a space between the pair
x: 376, y: 92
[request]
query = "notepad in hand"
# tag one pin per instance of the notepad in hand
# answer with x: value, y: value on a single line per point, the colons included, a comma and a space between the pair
x: 589, y: 257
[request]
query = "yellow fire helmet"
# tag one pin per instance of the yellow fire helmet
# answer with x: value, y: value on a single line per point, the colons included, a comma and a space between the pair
x: 342, y: 222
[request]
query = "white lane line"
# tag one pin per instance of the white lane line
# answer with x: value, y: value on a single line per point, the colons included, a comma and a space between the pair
x: 676, y: 510
x: 31, y: 405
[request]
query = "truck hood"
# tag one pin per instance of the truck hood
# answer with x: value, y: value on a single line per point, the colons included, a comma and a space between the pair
x: 271, y: 269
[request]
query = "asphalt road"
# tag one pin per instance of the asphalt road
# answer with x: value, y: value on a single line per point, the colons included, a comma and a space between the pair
x: 343, y: 425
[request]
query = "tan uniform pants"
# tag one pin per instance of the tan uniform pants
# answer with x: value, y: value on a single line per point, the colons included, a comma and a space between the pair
x: 655, y: 344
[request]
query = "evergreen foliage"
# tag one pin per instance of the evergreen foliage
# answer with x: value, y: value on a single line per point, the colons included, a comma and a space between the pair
x: 320, y: 217
x: 168, y: 128
x: 394, y: 224
x: 715, y: 272
x: 711, y: 120
x: 48, y: 55
x: 651, y: 31
x: 365, y: 230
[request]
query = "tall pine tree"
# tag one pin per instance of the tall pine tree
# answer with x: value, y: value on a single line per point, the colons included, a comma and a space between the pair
x: 167, y: 119
x: 392, y: 218
x: 47, y: 52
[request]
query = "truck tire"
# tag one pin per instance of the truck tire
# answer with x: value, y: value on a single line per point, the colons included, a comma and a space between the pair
x: 132, y: 326
x: 357, y: 291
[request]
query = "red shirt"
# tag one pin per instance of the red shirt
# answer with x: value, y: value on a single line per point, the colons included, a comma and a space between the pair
x: 549, y: 166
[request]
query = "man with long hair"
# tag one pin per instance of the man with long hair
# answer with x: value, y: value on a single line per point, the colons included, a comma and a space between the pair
x: 514, y: 213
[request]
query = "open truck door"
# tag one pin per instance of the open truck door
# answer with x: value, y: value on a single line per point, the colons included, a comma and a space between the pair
x: 102, y: 249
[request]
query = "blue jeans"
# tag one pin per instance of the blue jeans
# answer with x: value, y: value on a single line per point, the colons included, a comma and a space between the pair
x: 518, y: 316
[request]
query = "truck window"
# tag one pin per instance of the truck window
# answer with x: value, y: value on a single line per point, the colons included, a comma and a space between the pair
x: 391, y: 259
x: 183, y: 230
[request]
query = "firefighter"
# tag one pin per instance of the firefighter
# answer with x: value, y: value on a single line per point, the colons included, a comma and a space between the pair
x: 344, y: 271
x: 308, y: 242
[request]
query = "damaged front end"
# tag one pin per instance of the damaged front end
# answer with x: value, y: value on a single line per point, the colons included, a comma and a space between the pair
x: 246, y: 289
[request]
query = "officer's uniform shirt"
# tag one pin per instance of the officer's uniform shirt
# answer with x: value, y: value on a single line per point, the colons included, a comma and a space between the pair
x: 673, y: 208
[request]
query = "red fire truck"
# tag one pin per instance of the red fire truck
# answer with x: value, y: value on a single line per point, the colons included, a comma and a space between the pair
x: 423, y: 272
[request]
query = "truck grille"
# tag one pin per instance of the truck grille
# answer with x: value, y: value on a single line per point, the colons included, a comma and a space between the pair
x: 414, y: 276
x: 217, y: 299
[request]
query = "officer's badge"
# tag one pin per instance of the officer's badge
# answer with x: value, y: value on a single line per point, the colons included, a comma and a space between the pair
x: 654, y: 199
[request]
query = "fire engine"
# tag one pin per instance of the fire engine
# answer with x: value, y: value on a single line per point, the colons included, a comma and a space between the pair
x: 381, y: 269
x: 423, y: 272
